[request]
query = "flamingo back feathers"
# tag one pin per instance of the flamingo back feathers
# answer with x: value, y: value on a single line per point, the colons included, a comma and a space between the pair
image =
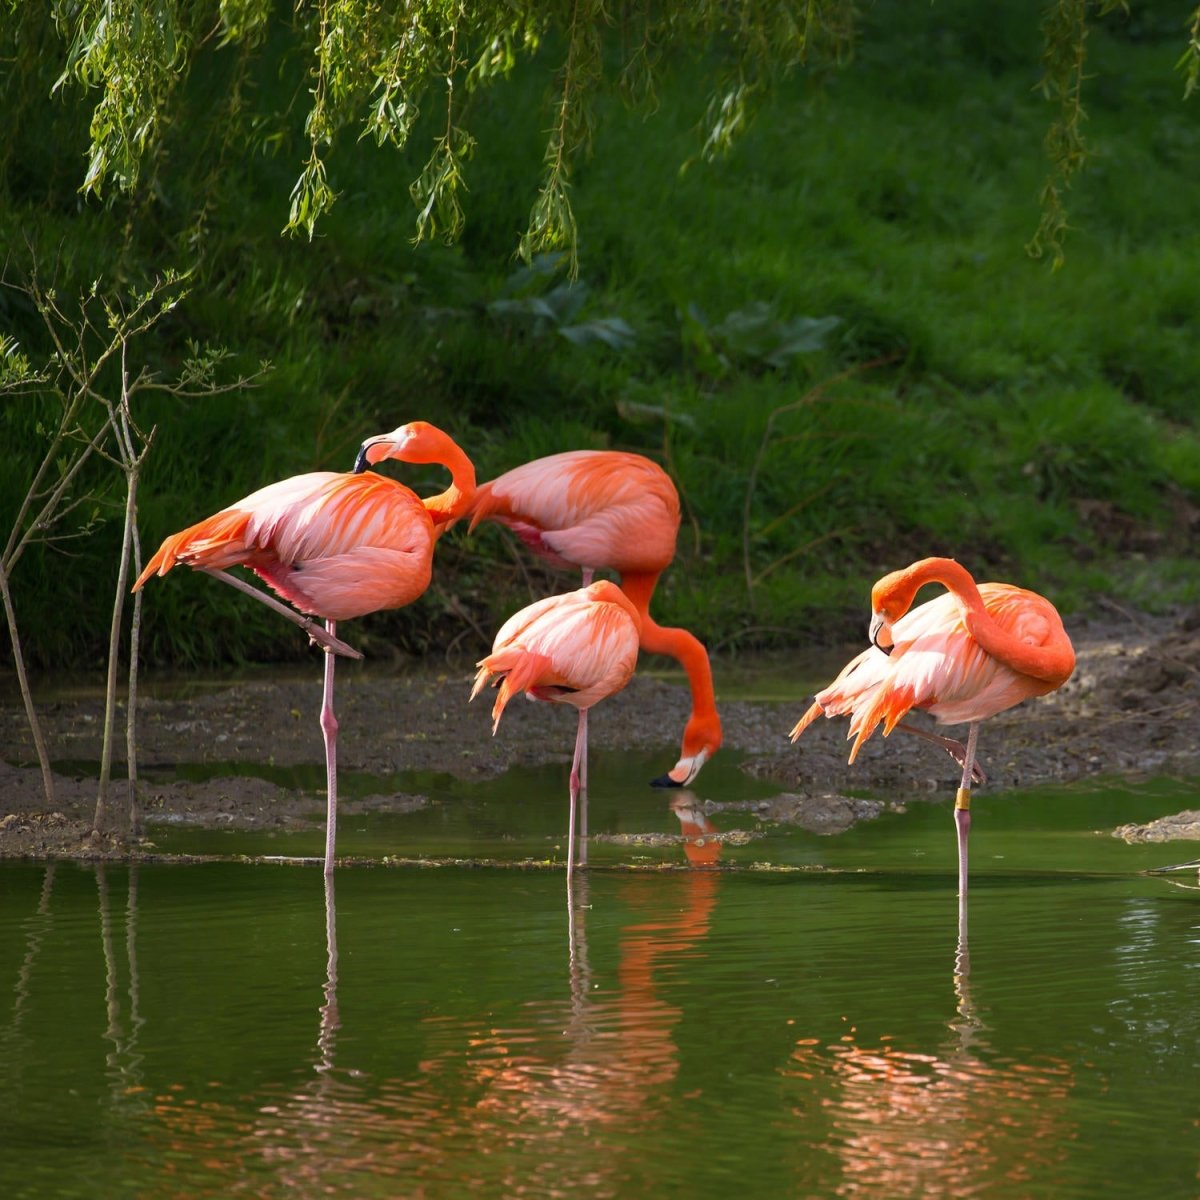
x: 335, y: 545
x: 593, y: 508
x: 576, y: 648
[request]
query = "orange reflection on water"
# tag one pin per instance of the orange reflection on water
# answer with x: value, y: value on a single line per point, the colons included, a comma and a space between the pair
x: 700, y: 842
x: 552, y: 1098
x: 611, y: 1050
x: 949, y: 1122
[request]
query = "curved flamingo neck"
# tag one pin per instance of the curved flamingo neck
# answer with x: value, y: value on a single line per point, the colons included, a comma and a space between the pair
x: 895, y: 592
x: 1052, y: 662
x: 446, y: 507
x: 686, y: 649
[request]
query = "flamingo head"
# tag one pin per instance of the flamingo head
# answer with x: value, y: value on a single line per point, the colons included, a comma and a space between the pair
x: 891, y: 598
x: 416, y: 442
x: 893, y: 595
x: 701, y: 740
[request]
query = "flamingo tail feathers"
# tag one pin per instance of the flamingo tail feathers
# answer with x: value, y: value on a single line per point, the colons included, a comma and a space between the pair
x: 805, y: 721
x: 889, y: 706
x: 218, y: 542
x: 517, y: 670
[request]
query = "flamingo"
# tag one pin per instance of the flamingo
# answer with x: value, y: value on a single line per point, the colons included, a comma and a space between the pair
x: 574, y: 649
x: 336, y: 546
x: 610, y: 510
x: 962, y: 657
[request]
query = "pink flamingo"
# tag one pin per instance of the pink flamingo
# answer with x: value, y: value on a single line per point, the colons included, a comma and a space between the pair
x: 609, y: 510
x: 962, y: 657
x: 574, y: 649
x: 336, y: 546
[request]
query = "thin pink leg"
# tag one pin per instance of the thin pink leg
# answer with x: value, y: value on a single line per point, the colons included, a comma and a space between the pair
x: 329, y: 728
x: 579, y: 774
x: 962, y: 808
x: 580, y: 749
x: 583, y: 790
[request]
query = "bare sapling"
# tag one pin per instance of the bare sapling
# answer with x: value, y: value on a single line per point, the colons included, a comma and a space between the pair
x: 72, y: 433
x: 86, y: 389
x: 132, y: 445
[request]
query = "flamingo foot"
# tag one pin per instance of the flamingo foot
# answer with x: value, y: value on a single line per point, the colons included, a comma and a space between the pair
x: 955, y: 749
x: 958, y: 752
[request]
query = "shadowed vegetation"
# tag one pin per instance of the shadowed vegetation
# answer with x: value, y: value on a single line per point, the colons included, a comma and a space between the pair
x: 832, y: 336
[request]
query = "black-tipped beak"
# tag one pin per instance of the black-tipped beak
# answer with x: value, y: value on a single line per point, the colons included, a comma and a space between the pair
x: 361, y: 463
x: 665, y: 781
x: 877, y: 623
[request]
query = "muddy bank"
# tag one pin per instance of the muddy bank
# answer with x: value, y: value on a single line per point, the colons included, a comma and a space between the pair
x: 1131, y: 709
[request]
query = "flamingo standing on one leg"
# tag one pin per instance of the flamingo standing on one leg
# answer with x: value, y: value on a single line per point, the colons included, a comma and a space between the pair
x: 336, y: 546
x: 609, y: 510
x: 573, y: 649
x: 962, y: 657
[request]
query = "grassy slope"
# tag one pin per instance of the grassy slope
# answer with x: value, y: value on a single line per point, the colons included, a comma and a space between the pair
x: 1038, y: 426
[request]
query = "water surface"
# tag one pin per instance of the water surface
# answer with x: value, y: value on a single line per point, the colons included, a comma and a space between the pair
x: 801, y: 1020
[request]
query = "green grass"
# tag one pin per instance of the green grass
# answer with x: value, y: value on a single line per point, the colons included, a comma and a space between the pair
x: 1040, y: 426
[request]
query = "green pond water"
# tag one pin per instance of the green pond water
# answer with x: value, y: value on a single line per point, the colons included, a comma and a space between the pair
x: 237, y: 1029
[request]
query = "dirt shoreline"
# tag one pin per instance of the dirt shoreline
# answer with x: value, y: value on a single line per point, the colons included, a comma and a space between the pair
x: 1132, y: 709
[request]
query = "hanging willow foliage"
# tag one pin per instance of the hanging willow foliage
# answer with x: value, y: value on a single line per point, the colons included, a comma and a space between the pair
x: 373, y: 64
x: 1065, y: 30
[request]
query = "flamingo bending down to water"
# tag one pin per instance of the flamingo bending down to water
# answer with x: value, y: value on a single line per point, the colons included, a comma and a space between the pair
x: 961, y: 657
x: 574, y: 649
x: 609, y: 510
x: 336, y: 546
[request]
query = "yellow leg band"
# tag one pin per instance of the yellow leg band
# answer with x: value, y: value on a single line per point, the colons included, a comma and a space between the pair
x: 963, y: 799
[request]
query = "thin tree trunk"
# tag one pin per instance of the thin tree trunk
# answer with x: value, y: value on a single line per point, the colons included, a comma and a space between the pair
x: 35, y: 726
x: 135, y: 633
x: 133, y: 460
x: 114, y: 648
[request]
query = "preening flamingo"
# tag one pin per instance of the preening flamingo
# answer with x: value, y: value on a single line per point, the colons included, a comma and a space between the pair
x: 961, y: 657
x: 336, y: 546
x: 609, y: 510
x: 574, y: 649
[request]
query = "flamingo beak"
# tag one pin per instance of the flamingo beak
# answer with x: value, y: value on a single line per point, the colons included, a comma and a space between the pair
x: 683, y: 772
x: 385, y: 445
x: 363, y: 459
x: 879, y: 630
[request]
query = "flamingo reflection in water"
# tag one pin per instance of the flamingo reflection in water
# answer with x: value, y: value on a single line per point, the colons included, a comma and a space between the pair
x: 298, y: 1144
x: 605, y: 1064
x: 701, y: 842
x: 600, y: 1060
x: 949, y: 1121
